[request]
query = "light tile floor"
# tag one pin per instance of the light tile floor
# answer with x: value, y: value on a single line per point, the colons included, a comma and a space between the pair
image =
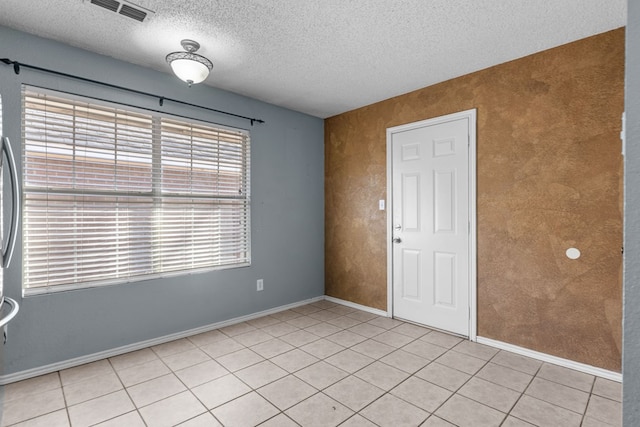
x: 320, y: 364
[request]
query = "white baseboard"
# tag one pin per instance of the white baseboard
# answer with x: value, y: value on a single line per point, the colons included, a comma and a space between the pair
x: 582, y: 367
x: 70, y: 363
x: 357, y: 306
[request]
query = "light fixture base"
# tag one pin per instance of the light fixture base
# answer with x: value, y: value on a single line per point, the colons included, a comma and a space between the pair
x: 190, y: 45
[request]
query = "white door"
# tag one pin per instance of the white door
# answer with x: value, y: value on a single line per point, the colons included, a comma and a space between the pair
x: 431, y: 222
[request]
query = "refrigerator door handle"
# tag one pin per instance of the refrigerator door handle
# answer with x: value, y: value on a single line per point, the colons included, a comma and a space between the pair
x: 7, y: 252
x: 4, y: 322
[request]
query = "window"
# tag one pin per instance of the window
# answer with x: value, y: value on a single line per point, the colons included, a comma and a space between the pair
x: 114, y: 195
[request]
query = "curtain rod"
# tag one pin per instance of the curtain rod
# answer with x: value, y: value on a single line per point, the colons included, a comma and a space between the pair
x: 161, y: 99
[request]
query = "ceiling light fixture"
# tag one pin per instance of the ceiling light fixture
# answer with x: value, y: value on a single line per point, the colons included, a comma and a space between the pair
x: 189, y: 66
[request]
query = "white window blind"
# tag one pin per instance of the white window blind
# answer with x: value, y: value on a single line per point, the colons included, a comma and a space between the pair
x: 114, y: 195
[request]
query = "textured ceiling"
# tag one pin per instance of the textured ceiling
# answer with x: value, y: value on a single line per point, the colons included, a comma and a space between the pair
x: 322, y: 57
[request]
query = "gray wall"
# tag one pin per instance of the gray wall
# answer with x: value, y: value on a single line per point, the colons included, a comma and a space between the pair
x: 287, y: 185
x: 631, y: 319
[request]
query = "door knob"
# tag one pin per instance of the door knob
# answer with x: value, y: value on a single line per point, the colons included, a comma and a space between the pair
x: 396, y: 240
x: 397, y: 227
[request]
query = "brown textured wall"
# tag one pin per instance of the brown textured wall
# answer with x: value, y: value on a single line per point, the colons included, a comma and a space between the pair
x: 549, y: 178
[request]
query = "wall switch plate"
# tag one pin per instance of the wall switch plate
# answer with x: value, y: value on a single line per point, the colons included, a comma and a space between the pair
x: 259, y: 284
x: 381, y: 205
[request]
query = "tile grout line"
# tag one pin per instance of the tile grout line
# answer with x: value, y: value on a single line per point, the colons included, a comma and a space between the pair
x: 321, y: 391
x: 582, y: 415
x: 521, y: 393
x: 136, y: 410
x: 66, y: 407
x: 385, y: 392
x: 268, y: 359
x: 459, y: 388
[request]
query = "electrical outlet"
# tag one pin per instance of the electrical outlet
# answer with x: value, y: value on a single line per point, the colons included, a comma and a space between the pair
x: 259, y: 284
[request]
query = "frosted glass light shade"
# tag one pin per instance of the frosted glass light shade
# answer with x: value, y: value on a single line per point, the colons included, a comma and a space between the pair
x: 189, y: 70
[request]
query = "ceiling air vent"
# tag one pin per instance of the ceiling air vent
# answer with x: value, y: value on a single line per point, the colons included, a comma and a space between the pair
x: 124, y: 8
x: 133, y: 13
x: 111, y: 5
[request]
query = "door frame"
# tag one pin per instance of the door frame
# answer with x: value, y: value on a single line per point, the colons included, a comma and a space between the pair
x: 473, y: 247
